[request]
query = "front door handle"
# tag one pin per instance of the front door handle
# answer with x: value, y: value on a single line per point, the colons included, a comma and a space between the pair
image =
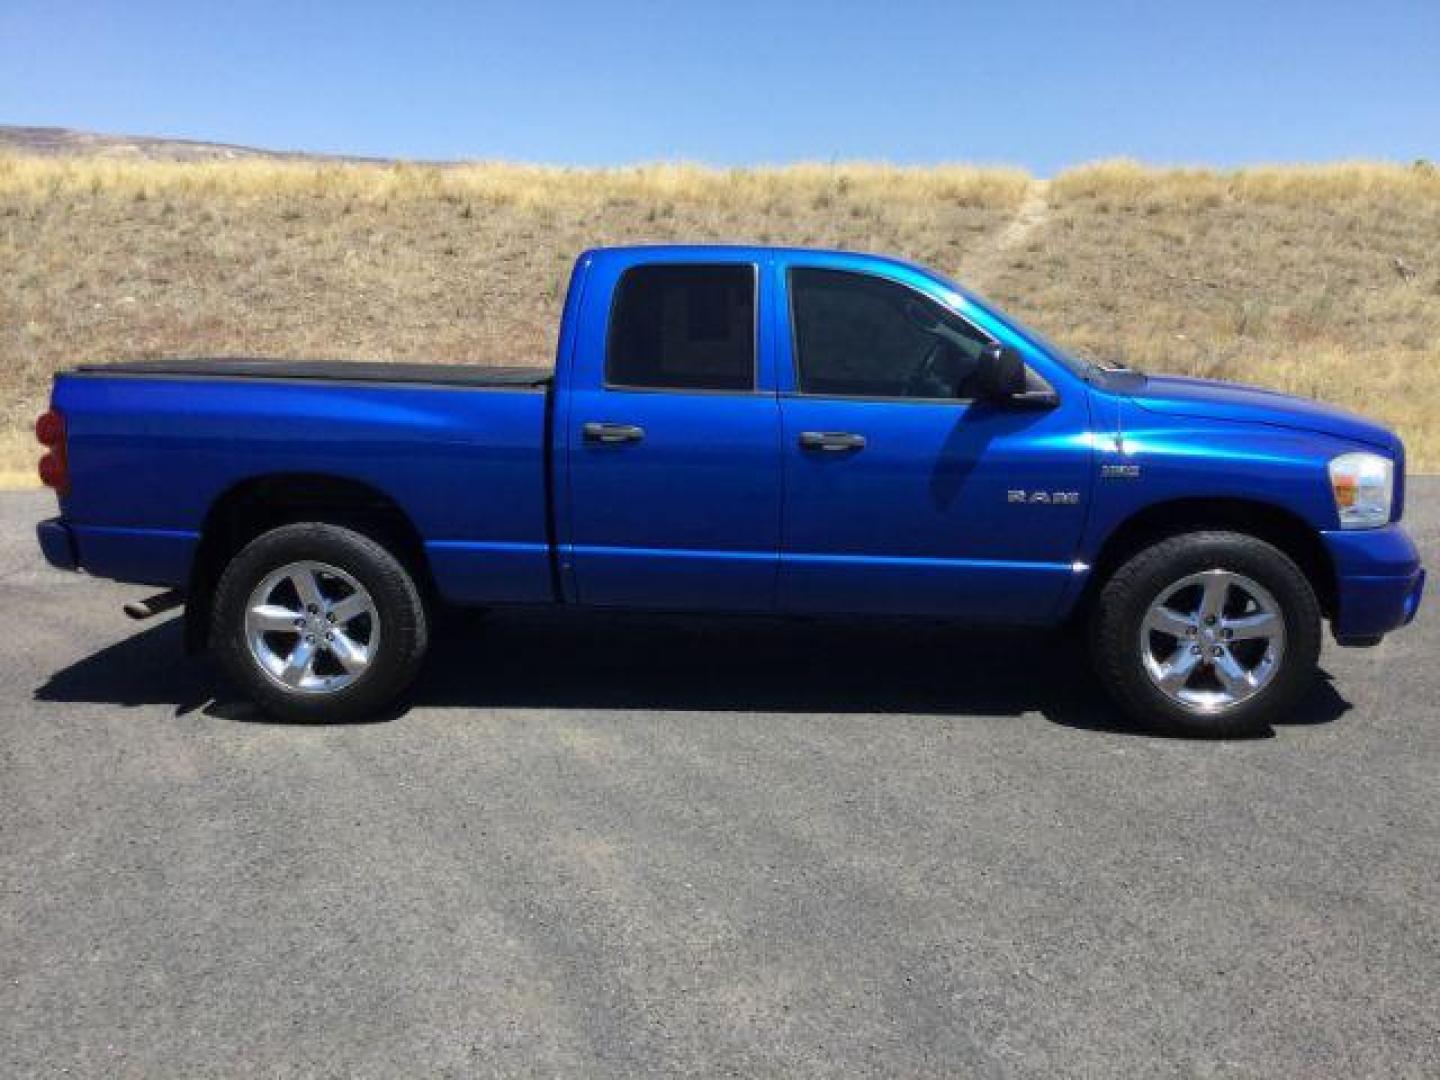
x: 612, y: 433
x: 833, y: 441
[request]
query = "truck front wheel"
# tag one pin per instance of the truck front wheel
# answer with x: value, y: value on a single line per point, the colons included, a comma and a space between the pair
x: 1207, y: 633
x: 318, y: 622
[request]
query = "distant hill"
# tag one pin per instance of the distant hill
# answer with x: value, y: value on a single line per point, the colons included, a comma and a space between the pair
x: 67, y: 142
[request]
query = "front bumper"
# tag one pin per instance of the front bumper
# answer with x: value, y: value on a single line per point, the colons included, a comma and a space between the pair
x: 1378, y: 579
x: 57, y: 543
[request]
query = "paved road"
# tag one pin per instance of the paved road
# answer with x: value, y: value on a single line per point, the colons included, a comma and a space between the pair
x: 612, y: 846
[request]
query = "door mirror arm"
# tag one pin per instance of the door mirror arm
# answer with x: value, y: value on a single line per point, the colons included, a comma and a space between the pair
x: 1039, y: 398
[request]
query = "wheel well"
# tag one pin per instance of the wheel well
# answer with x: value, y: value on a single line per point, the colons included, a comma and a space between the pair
x: 1265, y: 521
x: 260, y: 504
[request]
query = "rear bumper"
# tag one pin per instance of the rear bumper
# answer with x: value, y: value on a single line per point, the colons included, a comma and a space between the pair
x: 57, y: 544
x: 1379, y: 581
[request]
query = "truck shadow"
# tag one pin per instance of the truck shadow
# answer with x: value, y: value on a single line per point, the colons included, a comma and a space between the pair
x: 549, y: 660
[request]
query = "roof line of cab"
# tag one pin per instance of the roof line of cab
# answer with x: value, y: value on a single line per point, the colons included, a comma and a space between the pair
x: 743, y: 250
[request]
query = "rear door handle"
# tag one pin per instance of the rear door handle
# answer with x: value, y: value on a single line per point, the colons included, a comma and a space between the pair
x: 612, y: 433
x: 834, y: 441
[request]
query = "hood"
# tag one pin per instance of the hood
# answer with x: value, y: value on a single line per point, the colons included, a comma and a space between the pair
x: 1209, y: 400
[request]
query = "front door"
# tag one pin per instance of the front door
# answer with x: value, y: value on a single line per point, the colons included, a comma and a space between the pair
x: 673, y: 443
x: 903, y: 493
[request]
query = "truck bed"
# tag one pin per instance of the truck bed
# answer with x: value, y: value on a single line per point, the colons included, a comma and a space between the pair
x: 460, y: 451
x: 353, y: 371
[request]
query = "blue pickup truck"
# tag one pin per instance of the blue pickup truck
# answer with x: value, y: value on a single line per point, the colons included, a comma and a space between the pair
x: 739, y: 429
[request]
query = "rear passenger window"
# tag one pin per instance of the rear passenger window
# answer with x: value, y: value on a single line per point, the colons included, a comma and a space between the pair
x: 683, y: 328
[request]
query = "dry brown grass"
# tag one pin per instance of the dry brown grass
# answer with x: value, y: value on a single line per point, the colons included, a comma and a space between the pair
x: 1278, y: 276
x: 1283, y: 277
x: 18, y: 454
x: 108, y: 259
x: 509, y: 184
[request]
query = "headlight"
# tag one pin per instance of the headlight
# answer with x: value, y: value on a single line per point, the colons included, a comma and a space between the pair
x: 1363, y: 485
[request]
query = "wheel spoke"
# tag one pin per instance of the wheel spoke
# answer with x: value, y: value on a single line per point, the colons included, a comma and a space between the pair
x: 307, y: 586
x: 353, y: 656
x: 1232, y: 676
x: 273, y: 619
x: 298, y: 664
x: 1214, y: 593
x: 1166, y: 620
x: 1262, y: 624
x: 352, y: 606
x: 1175, y: 672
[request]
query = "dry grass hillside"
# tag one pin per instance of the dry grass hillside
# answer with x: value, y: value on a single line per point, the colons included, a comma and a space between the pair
x: 1316, y: 281
x: 1323, y: 281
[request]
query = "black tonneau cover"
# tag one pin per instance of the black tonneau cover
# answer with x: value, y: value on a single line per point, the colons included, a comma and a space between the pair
x: 331, y: 370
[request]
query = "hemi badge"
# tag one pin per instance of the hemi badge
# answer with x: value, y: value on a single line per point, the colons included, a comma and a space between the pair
x: 1120, y: 472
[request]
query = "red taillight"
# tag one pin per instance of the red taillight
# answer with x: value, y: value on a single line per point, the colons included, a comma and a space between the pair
x: 54, y: 466
x: 50, y: 428
x: 53, y: 472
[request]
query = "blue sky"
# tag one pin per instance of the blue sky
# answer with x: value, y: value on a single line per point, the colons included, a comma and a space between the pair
x: 1039, y: 83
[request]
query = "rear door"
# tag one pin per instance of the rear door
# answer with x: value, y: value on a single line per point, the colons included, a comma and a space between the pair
x: 904, y: 494
x: 672, y: 443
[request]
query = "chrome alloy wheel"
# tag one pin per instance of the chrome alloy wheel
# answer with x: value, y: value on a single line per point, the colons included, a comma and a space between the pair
x: 1212, y: 640
x: 312, y: 627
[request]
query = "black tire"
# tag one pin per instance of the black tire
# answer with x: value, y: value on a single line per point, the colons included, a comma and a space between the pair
x: 1115, y: 632
x: 403, y: 626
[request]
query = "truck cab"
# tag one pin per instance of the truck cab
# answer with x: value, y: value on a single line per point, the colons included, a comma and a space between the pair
x: 808, y: 432
x: 742, y: 429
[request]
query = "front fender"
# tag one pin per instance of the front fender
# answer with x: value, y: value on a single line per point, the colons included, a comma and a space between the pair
x: 1153, y: 463
x: 1155, y: 458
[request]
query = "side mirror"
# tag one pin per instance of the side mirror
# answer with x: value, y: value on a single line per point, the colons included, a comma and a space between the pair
x: 1001, y: 373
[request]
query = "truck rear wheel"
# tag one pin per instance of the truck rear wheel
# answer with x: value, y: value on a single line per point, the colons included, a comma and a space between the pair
x: 318, y: 622
x: 1208, y: 633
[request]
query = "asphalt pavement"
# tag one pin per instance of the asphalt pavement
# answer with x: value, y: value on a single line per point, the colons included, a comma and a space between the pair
x: 613, y: 846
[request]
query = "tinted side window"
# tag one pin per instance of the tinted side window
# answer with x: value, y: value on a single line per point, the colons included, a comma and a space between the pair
x: 683, y: 327
x: 857, y: 335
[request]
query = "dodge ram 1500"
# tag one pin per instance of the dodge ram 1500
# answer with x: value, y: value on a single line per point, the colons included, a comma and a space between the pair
x: 740, y: 429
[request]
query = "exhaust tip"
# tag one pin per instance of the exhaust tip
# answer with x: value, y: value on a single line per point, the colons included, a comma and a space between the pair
x: 154, y: 605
